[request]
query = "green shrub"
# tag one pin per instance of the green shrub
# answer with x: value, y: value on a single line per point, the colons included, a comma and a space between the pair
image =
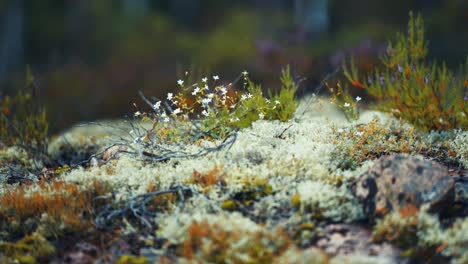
x: 22, y: 121
x: 428, y: 95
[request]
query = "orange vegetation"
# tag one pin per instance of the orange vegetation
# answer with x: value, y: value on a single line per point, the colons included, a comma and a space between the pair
x: 408, y: 210
x: 63, y: 202
x: 210, y: 178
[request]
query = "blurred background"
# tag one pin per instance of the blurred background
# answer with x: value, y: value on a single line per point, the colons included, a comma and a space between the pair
x: 90, y: 57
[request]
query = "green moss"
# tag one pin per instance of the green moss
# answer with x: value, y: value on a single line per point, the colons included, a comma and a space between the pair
x: 249, y: 194
x: 29, y: 249
x: 129, y: 259
x: 296, y: 200
x: 229, y: 205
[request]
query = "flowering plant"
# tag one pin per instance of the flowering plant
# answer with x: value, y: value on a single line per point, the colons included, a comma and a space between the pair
x: 211, y: 110
x: 343, y: 99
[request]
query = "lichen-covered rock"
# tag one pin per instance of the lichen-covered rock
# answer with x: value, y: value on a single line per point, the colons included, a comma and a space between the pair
x: 399, y: 182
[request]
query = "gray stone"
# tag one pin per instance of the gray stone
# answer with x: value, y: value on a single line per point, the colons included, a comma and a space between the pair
x: 402, y: 182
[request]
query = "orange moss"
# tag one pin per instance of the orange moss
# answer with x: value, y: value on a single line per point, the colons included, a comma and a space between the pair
x: 408, y: 211
x: 210, y: 178
x: 262, y: 247
x: 64, y: 202
x: 372, y: 140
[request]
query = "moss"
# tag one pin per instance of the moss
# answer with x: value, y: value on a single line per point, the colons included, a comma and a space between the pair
x: 30, y: 249
x: 129, y: 259
x: 326, y: 202
x: 59, y: 207
x: 417, y: 233
x: 359, y: 143
x: 296, y: 200
x: 19, y: 158
x: 229, y: 205
x: 456, y: 241
x: 224, y: 238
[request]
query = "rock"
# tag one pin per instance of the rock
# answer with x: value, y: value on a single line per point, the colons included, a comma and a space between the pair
x: 402, y: 182
x: 461, y: 191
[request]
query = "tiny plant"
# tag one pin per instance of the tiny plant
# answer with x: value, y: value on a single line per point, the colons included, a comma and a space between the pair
x: 428, y: 95
x: 344, y: 100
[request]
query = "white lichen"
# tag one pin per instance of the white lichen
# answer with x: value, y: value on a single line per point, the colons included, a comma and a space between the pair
x: 460, y: 145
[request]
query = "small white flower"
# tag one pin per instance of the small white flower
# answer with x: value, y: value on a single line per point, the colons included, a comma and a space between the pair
x: 170, y: 96
x: 216, y: 77
x: 358, y: 133
x: 206, y: 87
x: 177, y: 111
x: 180, y: 82
x: 358, y: 99
x: 277, y: 102
x: 204, y: 80
x: 245, y: 73
x: 196, y: 90
x: 163, y: 114
x: 223, y: 90
x: 137, y: 113
x: 210, y: 95
x: 267, y: 100
x: 205, y: 113
x: 166, y: 119
x: 249, y: 95
x: 243, y: 97
x: 346, y: 104
x: 206, y: 101
x: 157, y: 105
x: 274, y: 107
x: 261, y: 115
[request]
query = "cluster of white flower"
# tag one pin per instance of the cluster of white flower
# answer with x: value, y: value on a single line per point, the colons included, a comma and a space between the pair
x: 209, y: 97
